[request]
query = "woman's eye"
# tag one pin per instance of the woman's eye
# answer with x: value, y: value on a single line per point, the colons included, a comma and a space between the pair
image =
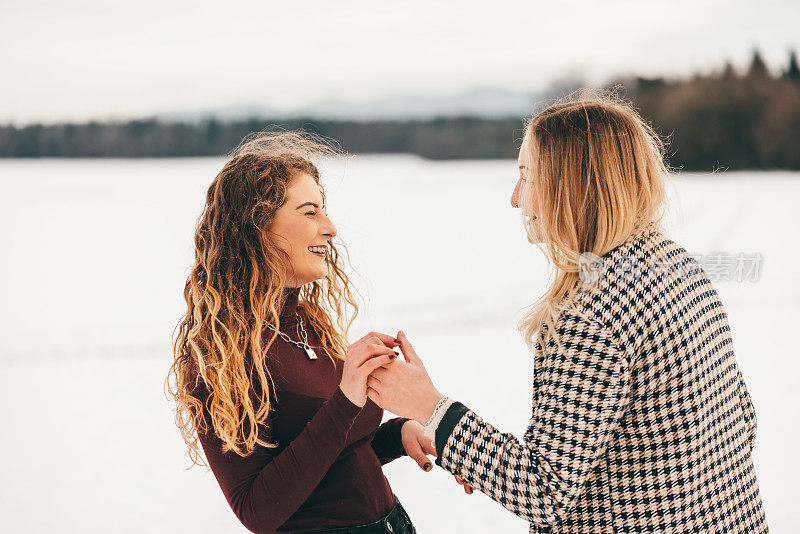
x: 310, y: 213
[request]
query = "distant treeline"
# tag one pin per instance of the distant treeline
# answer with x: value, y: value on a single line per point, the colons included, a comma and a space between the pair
x: 722, y: 120
x: 749, y: 121
x: 438, y: 138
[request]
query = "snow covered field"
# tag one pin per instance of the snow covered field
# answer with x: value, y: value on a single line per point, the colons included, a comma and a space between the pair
x: 95, y: 253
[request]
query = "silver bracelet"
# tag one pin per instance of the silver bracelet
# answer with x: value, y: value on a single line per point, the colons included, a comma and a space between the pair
x: 438, y: 407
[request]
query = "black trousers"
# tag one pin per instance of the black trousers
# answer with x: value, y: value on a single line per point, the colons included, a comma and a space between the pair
x: 395, y: 522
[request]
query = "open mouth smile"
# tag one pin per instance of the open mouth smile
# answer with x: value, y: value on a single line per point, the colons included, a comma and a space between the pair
x: 321, y: 250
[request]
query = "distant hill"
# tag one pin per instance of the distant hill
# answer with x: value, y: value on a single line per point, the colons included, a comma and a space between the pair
x: 481, y: 103
x: 226, y: 113
x: 484, y: 103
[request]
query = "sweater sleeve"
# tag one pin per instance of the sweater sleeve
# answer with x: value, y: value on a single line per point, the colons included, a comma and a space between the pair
x: 265, y: 488
x: 748, y: 411
x: 387, y: 442
x: 582, y: 391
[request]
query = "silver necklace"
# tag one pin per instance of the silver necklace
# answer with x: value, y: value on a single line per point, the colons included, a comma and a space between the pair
x: 304, y: 345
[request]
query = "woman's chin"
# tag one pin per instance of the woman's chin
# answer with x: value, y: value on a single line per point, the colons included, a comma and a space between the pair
x: 321, y: 273
x: 313, y: 274
x: 532, y: 230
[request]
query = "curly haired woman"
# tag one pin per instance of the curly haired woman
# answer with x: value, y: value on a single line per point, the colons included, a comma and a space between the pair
x: 263, y: 376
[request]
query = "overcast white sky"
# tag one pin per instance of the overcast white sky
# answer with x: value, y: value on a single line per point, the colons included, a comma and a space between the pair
x: 85, y: 59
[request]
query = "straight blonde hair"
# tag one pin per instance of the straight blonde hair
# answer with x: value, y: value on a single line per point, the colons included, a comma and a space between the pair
x: 597, y: 174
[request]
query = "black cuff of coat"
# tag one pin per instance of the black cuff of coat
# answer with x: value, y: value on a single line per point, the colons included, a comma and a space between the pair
x: 446, y: 426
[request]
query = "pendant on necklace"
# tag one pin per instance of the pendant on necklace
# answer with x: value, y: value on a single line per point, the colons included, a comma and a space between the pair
x: 311, y: 354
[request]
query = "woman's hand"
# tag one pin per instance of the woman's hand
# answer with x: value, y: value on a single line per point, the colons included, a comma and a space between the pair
x: 416, y: 445
x: 404, y: 388
x: 467, y: 488
x: 362, y: 358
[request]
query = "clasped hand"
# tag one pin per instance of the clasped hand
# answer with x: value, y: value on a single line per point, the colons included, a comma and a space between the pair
x: 406, y: 389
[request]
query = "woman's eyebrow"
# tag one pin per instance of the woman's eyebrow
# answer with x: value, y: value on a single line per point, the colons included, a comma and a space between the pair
x: 303, y: 205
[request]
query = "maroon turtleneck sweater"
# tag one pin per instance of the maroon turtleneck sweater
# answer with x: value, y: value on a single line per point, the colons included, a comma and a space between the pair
x: 326, y: 471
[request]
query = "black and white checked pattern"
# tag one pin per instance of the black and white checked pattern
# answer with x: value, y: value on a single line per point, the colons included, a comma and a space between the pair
x: 641, y: 420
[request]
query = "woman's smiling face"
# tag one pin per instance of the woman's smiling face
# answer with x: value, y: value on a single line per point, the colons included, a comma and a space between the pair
x: 302, y: 229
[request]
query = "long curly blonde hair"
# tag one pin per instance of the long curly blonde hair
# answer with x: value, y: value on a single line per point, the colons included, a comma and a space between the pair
x: 599, y: 172
x: 237, y: 284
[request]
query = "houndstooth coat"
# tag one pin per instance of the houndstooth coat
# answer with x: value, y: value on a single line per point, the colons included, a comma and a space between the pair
x: 641, y: 421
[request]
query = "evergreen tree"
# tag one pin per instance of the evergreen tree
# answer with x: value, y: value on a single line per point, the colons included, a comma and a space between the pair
x: 758, y: 69
x: 793, y: 71
x: 729, y: 73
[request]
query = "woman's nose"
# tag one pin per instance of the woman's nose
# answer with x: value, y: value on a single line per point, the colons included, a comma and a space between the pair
x: 515, y: 196
x: 328, y: 228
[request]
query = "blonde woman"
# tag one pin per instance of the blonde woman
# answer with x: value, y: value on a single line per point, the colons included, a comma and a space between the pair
x: 641, y: 419
x: 263, y: 376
